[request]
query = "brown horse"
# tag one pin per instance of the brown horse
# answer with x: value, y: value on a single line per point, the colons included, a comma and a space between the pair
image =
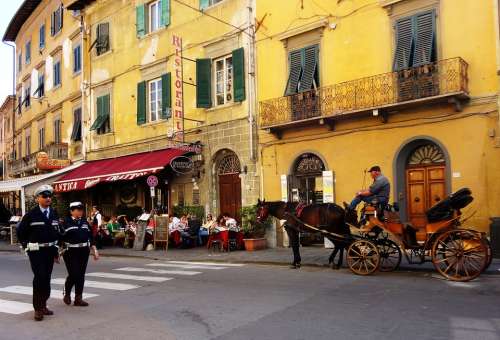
x: 328, y: 217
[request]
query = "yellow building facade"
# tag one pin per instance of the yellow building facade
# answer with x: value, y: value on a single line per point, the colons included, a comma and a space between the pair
x: 169, y: 74
x: 48, y: 79
x: 409, y: 85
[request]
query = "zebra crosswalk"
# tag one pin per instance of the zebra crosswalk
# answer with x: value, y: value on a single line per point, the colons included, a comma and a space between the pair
x: 14, y: 299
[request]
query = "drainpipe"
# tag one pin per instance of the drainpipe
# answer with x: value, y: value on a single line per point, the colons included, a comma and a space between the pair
x: 252, y: 97
x: 82, y: 84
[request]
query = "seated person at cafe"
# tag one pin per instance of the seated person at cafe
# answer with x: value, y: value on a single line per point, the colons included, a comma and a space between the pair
x: 205, y: 229
x: 175, y: 227
x: 103, y: 234
x: 229, y: 221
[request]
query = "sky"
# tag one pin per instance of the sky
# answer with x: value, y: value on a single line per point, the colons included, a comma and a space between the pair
x: 9, y: 8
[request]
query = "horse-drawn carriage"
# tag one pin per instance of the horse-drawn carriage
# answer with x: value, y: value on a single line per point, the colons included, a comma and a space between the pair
x: 380, y: 239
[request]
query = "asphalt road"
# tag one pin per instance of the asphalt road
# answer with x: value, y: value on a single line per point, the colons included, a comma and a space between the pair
x: 250, y: 302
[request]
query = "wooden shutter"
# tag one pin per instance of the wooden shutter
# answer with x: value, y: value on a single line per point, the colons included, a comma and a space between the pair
x: 102, y: 38
x: 239, y: 92
x: 204, y: 4
x: 98, y: 120
x: 310, y: 57
x: 77, y: 122
x: 295, y: 62
x: 203, y: 83
x: 106, y: 106
x: 141, y: 103
x: 425, y: 27
x: 140, y: 21
x: 166, y: 96
x: 52, y: 24
x: 165, y: 13
x: 404, y: 44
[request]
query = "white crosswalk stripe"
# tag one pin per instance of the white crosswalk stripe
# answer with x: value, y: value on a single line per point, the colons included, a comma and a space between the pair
x: 129, y: 277
x: 179, y: 268
x: 158, y: 271
x: 54, y: 294
x: 14, y: 307
x: 101, y: 284
x: 184, y: 266
x: 217, y: 264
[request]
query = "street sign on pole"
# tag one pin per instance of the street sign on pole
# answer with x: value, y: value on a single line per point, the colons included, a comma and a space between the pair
x: 152, y: 181
x: 152, y: 189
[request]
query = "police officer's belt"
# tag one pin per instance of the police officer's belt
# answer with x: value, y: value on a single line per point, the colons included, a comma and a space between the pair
x: 49, y: 244
x: 36, y: 246
x: 77, y: 245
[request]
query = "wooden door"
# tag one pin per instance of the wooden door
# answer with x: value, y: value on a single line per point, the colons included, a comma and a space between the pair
x: 425, y: 187
x: 230, y: 195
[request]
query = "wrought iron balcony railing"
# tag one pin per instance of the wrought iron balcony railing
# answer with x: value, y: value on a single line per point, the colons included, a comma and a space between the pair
x: 28, y: 163
x: 442, y: 79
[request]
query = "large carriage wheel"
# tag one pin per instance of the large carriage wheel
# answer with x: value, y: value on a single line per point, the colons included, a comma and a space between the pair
x: 490, y: 255
x: 390, y: 255
x: 363, y: 257
x: 460, y: 255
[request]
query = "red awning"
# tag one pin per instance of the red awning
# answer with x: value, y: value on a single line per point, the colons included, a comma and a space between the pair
x: 116, y: 169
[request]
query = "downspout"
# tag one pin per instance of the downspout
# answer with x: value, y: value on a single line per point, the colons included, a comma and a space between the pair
x: 82, y: 85
x: 251, y: 82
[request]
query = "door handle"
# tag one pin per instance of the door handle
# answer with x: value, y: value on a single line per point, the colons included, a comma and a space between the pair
x: 417, y: 199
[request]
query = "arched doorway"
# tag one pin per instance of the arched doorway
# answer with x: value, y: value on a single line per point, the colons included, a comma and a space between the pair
x: 306, y: 179
x: 422, y: 178
x: 228, y: 173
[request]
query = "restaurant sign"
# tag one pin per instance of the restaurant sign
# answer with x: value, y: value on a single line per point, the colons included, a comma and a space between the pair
x: 82, y: 184
x: 43, y: 162
x: 182, y: 165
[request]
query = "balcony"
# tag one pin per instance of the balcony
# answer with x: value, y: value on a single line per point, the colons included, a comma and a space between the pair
x: 442, y: 81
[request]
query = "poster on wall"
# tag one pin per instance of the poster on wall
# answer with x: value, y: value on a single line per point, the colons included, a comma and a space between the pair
x: 284, y: 189
x: 328, y: 187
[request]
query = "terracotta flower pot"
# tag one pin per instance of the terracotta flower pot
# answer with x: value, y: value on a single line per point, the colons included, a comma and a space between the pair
x: 252, y: 244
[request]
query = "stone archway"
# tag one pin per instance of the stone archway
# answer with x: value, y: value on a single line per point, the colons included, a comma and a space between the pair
x: 228, y: 169
x: 422, y: 174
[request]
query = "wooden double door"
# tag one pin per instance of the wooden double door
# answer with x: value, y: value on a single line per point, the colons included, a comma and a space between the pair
x: 425, y: 186
x: 230, y: 195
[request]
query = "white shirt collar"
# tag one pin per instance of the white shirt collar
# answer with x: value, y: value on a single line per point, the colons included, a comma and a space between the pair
x: 44, y: 209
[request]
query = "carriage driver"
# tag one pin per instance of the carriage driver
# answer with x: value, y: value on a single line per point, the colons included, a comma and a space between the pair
x: 379, y: 190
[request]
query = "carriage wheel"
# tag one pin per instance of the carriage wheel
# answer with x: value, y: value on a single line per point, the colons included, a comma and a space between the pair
x: 363, y: 257
x: 490, y: 255
x: 460, y: 255
x: 390, y: 255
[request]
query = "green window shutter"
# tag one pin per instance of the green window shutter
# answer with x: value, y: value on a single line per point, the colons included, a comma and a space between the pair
x: 166, y: 96
x: 203, y: 83
x: 140, y: 21
x: 404, y: 44
x: 310, y: 58
x: 105, y: 106
x: 98, y: 121
x: 239, y: 74
x: 204, y: 4
x: 295, y: 61
x: 425, y: 32
x: 165, y: 13
x: 141, y: 103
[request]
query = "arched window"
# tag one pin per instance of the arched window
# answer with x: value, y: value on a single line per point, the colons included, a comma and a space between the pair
x: 426, y: 155
x: 229, y: 164
x: 306, y: 180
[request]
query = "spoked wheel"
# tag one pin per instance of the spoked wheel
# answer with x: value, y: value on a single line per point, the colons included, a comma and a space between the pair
x: 490, y: 255
x: 363, y: 257
x: 460, y: 255
x: 390, y: 255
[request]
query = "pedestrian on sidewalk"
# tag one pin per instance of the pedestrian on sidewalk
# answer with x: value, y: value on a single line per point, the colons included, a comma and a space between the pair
x: 78, y: 240
x: 38, y: 234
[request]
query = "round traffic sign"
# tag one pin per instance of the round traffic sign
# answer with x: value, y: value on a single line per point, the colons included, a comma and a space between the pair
x: 152, y: 181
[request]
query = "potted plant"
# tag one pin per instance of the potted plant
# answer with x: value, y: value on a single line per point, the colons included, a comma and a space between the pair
x: 253, y: 232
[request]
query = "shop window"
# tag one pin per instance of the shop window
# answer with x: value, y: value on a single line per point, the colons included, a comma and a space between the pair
x: 306, y: 181
x: 196, y: 196
x: 180, y: 196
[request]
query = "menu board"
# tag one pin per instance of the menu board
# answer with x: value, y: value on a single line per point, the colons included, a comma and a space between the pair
x: 140, y: 235
x: 161, y: 230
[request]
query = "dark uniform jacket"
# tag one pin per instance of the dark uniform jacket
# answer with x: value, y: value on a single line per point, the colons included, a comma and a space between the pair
x: 76, y: 231
x: 36, y: 228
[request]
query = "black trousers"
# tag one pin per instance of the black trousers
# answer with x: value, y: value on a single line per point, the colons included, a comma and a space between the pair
x: 42, y: 263
x: 76, y: 260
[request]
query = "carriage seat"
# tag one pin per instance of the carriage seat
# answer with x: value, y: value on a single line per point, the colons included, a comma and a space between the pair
x: 410, y: 236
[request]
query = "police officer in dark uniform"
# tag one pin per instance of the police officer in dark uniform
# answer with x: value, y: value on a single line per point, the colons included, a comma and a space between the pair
x: 39, y: 233
x: 78, y: 240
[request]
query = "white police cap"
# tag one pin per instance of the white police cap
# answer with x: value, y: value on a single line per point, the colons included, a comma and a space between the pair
x: 75, y: 205
x: 44, y: 188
